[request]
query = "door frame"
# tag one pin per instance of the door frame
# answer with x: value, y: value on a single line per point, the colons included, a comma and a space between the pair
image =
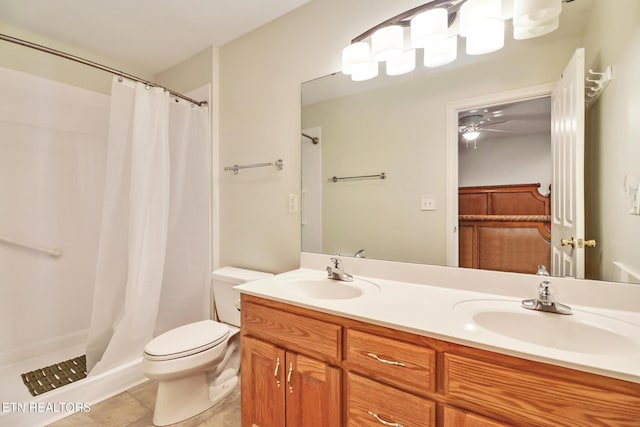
x: 453, y: 109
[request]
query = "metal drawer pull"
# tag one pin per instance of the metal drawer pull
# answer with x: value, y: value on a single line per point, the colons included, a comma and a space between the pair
x: 275, y: 373
x: 289, y: 377
x: 381, y: 421
x: 388, y: 362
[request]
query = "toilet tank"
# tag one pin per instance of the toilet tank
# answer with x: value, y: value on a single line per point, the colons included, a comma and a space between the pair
x: 226, y: 299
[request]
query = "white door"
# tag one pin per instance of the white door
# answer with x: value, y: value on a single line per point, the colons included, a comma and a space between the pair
x: 567, y: 153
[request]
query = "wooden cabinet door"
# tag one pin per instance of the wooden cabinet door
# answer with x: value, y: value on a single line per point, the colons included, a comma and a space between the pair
x: 263, y: 376
x: 313, y: 392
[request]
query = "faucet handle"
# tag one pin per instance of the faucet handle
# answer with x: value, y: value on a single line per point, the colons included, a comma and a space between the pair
x: 337, y: 263
x: 545, y: 290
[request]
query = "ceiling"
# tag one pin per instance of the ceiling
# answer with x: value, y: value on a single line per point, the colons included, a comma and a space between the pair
x: 512, y: 119
x: 148, y: 35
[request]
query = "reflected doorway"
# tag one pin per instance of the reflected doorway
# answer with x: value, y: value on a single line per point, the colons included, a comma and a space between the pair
x: 504, y: 182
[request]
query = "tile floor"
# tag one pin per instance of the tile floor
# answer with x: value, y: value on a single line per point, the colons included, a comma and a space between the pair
x: 134, y: 408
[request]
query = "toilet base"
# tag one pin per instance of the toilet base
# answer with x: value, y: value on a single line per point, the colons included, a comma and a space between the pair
x: 184, y: 398
x: 180, y: 399
x: 220, y: 391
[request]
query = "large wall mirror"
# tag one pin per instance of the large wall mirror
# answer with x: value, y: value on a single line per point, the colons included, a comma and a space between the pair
x: 377, y: 162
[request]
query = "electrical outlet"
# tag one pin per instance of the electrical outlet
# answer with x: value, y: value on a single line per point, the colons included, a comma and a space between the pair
x: 427, y: 203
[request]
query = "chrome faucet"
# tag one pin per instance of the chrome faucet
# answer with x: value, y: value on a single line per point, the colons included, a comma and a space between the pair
x: 542, y: 270
x: 335, y: 271
x: 545, y: 301
x: 359, y: 254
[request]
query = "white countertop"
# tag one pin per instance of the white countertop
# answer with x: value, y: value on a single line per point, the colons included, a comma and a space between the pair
x: 440, y: 312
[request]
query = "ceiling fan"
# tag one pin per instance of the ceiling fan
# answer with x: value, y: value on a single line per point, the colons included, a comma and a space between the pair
x: 469, y: 127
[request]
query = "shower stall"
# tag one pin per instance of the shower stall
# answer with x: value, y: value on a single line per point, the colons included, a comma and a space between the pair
x: 54, y: 171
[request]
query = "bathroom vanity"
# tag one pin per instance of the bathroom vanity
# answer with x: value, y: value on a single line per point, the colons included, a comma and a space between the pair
x: 316, y: 355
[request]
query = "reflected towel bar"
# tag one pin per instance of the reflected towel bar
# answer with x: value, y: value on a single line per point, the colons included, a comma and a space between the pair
x: 279, y: 164
x: 382, y: 175
x: 55, y: 252
x: 313, y: 139
x: 594, y: 87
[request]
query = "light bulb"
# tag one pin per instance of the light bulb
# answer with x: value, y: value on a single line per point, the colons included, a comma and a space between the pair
x: 430, y: 27
x: 471, y: 135
x: 370, y: 72
x: 402, y: 63
x: 387, y: 42
x: 441, y: 53
x: 356, y: 58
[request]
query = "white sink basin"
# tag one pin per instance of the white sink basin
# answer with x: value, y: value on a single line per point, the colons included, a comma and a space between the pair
x: 581, y: 332
x: 324, y: 288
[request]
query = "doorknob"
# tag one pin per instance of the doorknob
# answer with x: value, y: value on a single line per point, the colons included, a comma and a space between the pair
x: 580, y: 243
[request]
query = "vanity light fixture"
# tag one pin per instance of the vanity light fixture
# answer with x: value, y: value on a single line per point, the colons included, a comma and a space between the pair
x: 435, y: 26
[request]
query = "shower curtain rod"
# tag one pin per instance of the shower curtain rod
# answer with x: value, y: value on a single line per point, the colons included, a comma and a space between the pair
x: 95, y: 65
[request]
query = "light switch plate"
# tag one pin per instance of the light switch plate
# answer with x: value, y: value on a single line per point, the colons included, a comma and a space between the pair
x: 427, y: 203
x: 293, y: 203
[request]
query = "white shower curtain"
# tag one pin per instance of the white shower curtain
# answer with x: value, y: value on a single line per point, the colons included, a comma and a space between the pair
x: 139, y: 196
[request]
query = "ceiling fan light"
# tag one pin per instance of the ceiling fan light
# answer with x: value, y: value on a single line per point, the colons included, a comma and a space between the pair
x: 356, y: 58
x: 471, y: 135
x: 487, y: 37
x: 474, y: 13
x: 528, y: 12
x: 529, y: 32
x: 429, y: 27
x: 387, y: 42
x: 441, y: 53
x: 402, y: 64
x: 370, y: 72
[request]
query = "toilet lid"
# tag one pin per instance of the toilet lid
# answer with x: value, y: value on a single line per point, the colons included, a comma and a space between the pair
x: 186, y: 340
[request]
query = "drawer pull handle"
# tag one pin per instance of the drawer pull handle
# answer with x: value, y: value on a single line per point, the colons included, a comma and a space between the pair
x: 275, y: 373
x: 388, y: 362
x: 381, y: 421
x: 289, y: 377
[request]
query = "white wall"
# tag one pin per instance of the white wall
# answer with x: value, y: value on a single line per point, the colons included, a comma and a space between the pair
x: 260, y: 79
x: 52, y: 162
x: 613, y: 145
x: 517, y: 159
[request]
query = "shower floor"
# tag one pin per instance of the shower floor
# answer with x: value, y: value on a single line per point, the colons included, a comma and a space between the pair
x: 12, y: 389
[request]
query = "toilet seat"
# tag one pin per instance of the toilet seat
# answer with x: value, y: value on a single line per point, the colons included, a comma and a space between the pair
x: 186, y: 340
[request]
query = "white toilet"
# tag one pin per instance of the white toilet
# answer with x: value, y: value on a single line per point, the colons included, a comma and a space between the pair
x: 197, y: 365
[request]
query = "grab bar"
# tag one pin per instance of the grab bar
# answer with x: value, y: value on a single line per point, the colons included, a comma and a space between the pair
x: 235, y: 168
x: 54, y: 252
x: 341, y: 178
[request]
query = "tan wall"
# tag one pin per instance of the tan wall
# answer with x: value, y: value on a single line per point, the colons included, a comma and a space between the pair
x: 190, y: 74
x: 613, y: 146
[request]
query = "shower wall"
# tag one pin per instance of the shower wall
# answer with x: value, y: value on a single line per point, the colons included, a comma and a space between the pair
x: 52, y: 160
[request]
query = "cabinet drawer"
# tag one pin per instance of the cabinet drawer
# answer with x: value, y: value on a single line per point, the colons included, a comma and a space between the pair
x: 404, y: 365
x: 529, y: 399
x: 292, y: 331
x: 452, y: 417
x: 373, y: 404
